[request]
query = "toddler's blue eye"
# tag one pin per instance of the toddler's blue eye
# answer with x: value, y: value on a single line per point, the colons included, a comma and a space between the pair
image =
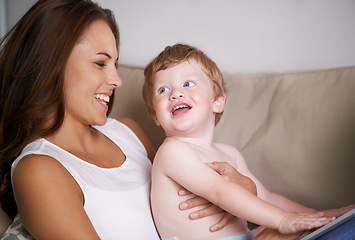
x: 162, y: 90
x: 189, y: 84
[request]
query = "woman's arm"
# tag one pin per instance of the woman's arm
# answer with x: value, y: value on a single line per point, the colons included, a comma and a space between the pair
x: 273, y: 234
x: 49, y: 201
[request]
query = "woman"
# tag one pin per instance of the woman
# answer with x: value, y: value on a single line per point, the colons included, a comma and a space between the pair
x: 70, y: 179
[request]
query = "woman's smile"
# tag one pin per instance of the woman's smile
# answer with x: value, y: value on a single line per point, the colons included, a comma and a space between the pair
x: 103, y: 99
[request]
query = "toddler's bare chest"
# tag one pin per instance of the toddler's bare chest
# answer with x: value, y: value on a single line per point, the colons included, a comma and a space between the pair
x: 213, y: 155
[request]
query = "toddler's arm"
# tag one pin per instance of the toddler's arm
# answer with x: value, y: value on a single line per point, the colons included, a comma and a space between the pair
x: 190, y: 172
x: 229, y: 173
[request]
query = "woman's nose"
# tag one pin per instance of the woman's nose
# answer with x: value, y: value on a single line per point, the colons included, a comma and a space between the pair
x: 114, y: 79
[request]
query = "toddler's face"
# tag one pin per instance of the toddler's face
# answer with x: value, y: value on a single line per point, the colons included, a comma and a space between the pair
x: 183, y: 98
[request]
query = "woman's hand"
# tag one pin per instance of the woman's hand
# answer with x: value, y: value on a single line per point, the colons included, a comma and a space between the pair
x: 230, y: 174
x: 338, y: 211
x: 205, y: 212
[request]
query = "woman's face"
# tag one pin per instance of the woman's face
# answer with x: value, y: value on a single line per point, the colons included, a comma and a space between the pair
x: 91, y: 75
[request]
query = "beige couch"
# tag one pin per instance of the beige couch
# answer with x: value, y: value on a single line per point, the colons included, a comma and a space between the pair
x: 296, y: 130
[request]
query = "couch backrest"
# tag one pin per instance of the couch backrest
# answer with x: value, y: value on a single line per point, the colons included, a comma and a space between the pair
x: 296, y: 130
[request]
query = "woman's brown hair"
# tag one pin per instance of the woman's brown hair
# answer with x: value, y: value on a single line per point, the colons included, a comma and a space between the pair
x: 33, y: 56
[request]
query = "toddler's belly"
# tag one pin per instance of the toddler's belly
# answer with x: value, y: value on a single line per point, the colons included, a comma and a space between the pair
x: 179, y: 225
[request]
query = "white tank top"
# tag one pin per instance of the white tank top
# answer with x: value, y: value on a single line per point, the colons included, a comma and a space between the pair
x: 116, y: 199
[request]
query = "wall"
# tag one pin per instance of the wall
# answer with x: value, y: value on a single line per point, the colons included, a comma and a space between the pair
x: 16, y: 8
x: 240, y: 35
x: 3, y: 19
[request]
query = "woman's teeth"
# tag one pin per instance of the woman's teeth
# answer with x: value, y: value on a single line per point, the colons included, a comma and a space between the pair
x: 102, y: 97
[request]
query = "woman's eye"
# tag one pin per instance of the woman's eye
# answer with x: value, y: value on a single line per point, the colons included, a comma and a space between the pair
x: 100, y: 64
x: 189, y: 84
x: 162, y: 90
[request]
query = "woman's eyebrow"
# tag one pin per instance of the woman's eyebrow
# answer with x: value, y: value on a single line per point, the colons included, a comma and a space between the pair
x: 105, y: 54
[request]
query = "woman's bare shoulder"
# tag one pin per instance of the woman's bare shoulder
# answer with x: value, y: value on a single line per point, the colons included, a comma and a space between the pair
x: 42, y: 171
x: 38, y: 164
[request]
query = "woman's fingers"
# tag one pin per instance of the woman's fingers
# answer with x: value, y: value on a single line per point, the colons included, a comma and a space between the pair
x: 193, y: 202
x: 227, y: 218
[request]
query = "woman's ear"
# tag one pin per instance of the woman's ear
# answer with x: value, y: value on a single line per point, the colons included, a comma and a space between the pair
x: 218, y: 104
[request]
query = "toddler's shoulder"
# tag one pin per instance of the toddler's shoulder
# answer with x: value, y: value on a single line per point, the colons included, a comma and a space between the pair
x: 227, y: 148
x: 173, y: 148
x: 172, y: 143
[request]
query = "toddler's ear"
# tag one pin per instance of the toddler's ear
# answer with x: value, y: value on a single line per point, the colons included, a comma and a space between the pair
x: 218, y: 104
x: 153, y: 115
x: 156, y: 120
